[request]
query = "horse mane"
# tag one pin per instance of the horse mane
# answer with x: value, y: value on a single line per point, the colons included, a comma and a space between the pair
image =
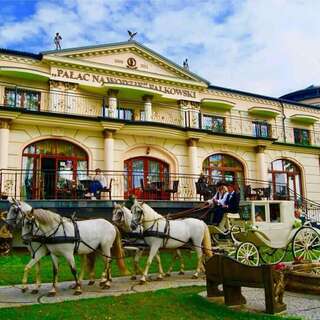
x: 46, y: 217
x: 155, y: 213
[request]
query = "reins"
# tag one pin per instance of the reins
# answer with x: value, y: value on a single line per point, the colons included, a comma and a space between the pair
x: 166, y: 234
x: 186, y: 213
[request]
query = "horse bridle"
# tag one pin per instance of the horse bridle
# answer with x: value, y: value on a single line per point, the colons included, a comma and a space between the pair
x: 120, y: 222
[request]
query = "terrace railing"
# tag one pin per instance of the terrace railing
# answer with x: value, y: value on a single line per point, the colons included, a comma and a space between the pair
x: 119, y: 185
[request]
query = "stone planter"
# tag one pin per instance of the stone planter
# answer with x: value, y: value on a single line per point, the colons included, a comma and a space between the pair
x: 304, y: 278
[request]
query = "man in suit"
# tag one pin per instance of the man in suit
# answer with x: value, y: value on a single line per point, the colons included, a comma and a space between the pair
x: 231, y: 205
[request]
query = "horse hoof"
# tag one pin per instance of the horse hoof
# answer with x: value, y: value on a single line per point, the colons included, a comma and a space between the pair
x: 168, y: 274
x: 195, y: 276
x: 24, y: 290
x: 142, y: 281
x: 35, y: 291
x: 51, y: 294
x: 181, y: 273
x: 91, y: 283
x: 101, y: 284
x: 159, y: 278
x: 77, y: 293
x: 106, y: 286
x: 133, y: 278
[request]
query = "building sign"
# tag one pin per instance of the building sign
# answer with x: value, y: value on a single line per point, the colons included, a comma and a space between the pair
x: 96, y: 79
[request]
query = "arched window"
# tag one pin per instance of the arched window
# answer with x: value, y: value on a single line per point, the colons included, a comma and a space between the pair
x: 286, y: 180
x: 147, y: 178
x: 223, y: 167
x: 51, y: 168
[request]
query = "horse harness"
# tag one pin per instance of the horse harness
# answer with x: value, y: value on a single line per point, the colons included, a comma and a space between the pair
x: 44, y: 239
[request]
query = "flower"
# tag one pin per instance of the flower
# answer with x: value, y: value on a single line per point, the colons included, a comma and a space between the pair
x: 280, y: 266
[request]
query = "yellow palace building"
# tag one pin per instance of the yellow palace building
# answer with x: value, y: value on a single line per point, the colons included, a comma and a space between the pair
x: 150, y: 125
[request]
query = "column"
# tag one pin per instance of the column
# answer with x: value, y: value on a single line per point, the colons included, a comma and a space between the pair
x: 113, y: 103
x: 4, y: 143
x: 147, y: 108
x: 192, y: 144
x: 261, y: 166
x: 108, y: 149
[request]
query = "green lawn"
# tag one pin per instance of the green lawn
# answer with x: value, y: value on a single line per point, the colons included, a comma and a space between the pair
x: 181, y: 303
x: 11, y: 267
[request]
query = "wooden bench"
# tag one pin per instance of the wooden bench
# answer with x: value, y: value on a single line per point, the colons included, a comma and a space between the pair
x: 233, y: 275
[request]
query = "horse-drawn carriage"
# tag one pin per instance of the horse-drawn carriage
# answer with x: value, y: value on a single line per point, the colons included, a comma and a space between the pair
x: 266, y: 231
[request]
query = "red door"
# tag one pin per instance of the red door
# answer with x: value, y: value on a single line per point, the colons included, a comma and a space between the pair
x: 146, y: 178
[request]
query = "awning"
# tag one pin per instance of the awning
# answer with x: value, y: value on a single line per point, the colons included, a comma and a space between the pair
x: 304, y: 118
x: 217, y: 104
x: 264, y: 112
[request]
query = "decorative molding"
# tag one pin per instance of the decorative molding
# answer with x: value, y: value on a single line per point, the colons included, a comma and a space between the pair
x: 147, y: 98
x: 108, y: 134
x: 5, y: 123
x: 112, y: 93
x: 192, y: 142
x: 260, y: 149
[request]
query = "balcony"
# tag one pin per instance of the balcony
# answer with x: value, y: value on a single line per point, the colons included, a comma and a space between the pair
x: 50, y: 184
x: 171, y: 115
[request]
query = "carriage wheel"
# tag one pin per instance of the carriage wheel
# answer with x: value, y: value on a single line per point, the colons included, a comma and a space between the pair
x: 247, y: 253
x: 306, y: 244
x: 272, y: 256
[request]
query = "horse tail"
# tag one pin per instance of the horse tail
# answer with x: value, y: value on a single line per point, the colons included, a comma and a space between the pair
x: 119, y: 253
x: 206, y: 242
x: 91, y: 261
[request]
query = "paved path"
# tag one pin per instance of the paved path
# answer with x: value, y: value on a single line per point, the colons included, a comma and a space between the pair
x: 306, y: 306
x: 11, y: 296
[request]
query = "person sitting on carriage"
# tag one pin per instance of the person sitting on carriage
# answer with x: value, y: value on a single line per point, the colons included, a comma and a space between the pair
x: 218, y: 199
x: 230, y: 205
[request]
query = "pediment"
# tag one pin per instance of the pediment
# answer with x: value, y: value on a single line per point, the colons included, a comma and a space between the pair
x: 128, y: 56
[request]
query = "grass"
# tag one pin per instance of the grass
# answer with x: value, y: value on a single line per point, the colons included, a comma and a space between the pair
x: 173, y: 304
x: 11, y: 267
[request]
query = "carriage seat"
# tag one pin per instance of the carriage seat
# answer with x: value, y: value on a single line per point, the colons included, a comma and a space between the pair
x: 233, y: 215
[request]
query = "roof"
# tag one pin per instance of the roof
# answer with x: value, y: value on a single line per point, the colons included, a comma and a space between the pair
x: 37, y: 56
x: 124, y: 43
x: 303, y: 94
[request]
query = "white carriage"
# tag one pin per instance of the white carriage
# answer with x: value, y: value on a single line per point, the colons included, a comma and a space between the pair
x: 267, y: 232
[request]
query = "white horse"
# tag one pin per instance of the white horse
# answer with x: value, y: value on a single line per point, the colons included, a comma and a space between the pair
x: 95, y: 234
x: 171, y: 234
x: 38, y: 250
x: 122, y: 218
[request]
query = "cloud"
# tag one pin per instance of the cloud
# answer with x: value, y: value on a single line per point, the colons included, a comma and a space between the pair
x: 268, y: 47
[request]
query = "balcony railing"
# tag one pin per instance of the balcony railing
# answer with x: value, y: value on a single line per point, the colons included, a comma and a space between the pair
x: 119, y: 185
x: 94, y: 106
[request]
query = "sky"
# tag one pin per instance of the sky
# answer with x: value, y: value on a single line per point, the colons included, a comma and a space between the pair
x: 268, y: 47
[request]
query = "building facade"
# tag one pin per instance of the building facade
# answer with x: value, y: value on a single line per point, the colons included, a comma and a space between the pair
x: 144, y: 121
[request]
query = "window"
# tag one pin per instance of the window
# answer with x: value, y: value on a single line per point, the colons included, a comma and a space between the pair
x: 222, y: 167
x: 146, y: 178
x: 261, y: 129
x: 18, y: 98
x: 301, y: 136
x: 286, y: 180
x: 125, y: 114
x: 53, y: 169
x: 216, y: 124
